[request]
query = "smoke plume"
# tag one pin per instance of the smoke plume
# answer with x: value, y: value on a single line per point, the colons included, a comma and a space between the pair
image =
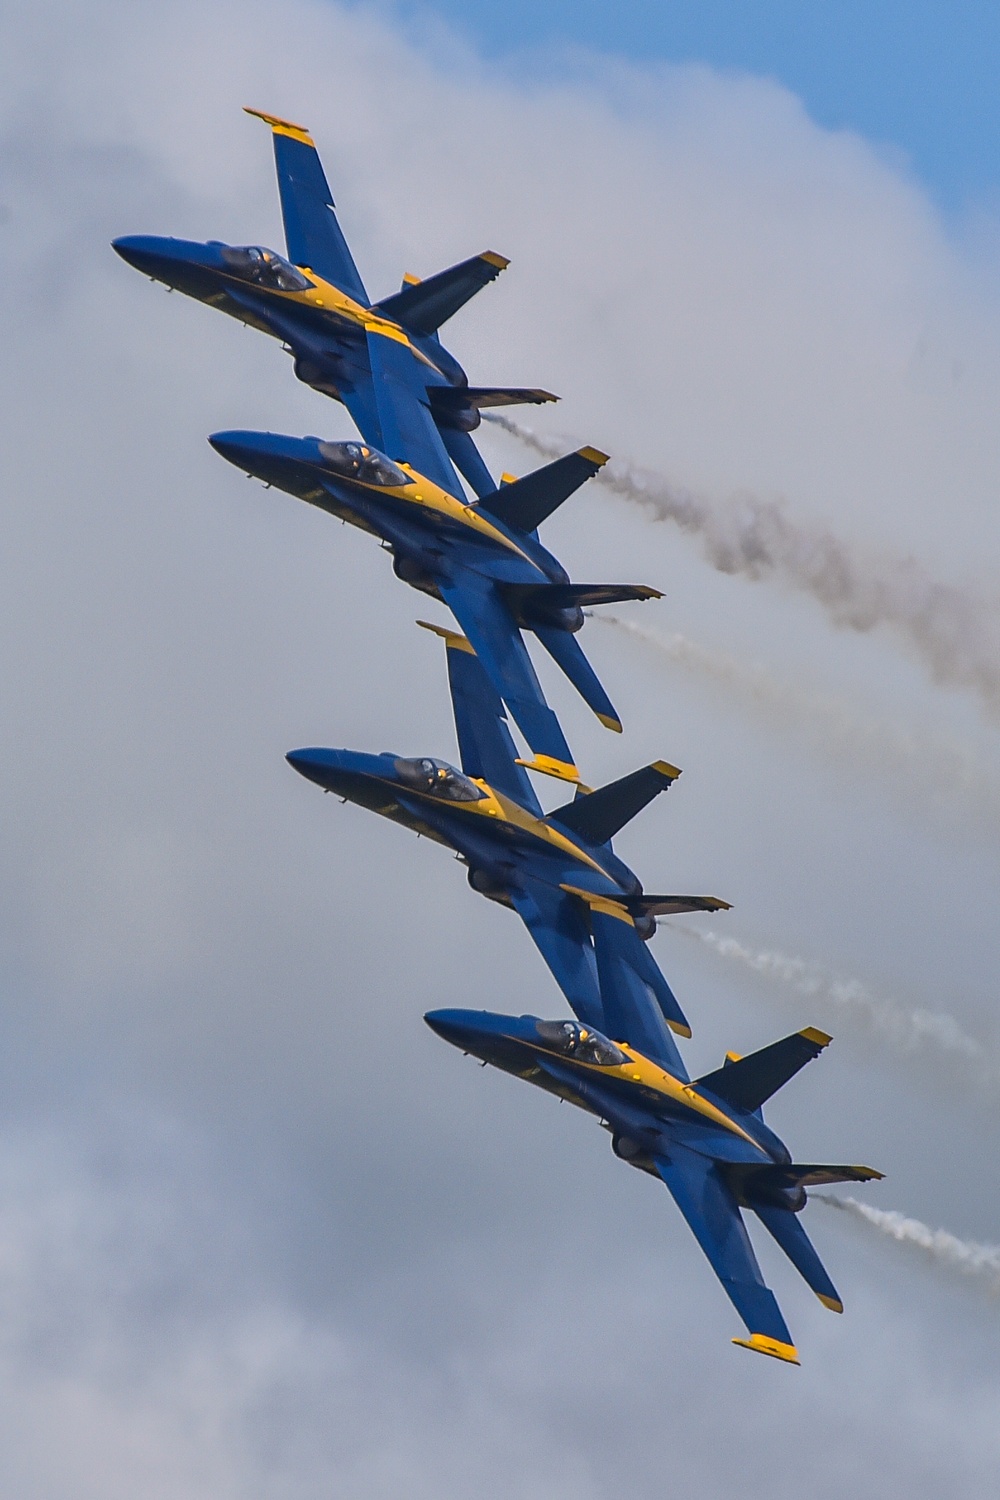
x: 906, y: 1031
x: 954, y: 633
x: 982, y: 1262
x: 929, y: 765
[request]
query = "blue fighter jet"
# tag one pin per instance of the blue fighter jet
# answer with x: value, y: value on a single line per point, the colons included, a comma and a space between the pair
x: 705, y: 1139
x: 584, y: 908
x: 384, y: 360
x: 484, y: 561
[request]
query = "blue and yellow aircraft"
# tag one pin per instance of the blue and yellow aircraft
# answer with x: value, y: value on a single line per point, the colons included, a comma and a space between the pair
x: 384, y: 360
x: 584, y: 908
x: 705, y: 1139
x: 484, y: 561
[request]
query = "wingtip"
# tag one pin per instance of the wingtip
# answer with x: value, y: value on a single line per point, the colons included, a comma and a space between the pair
x: 280, y: 126
x: 775, y: 1348
x: 817, y: 1037
x: 666, y: 769
x: 451, y: 638
x: 500, y: 262
x: 615, y: 725
x: 683, y: 1030
x: 593, y: 456
x: 833, y: 1303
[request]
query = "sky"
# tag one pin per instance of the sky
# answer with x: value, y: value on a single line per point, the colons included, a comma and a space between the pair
x: 261, y: 1233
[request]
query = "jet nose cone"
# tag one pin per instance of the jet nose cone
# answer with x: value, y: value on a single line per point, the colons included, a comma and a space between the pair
x: 308, y: 763
x: 138, y: 250
x: 266, y: 454
x: 240, y: 448
x: 452, y: 1026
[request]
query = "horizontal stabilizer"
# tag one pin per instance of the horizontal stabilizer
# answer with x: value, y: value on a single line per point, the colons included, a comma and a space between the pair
x: 598, y: 816
x: 524, y: 504
x: 422, y: 306
x: 567, y: 652
x: 530, y: 598
x: 746, y: 1084
x: 672, y: 906
x: 449, y: 399
x: 312, y: 234
x: 765, y: 1180
x: 786, y: 1227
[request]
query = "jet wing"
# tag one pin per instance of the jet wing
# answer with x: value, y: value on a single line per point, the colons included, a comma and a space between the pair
x: 562, y: 936
x: 712, y: 1212
x: 408, y: 432
x: 638, y: 1003
x: 312, y: 234
x: 485, y: 745
x: 496, y: 640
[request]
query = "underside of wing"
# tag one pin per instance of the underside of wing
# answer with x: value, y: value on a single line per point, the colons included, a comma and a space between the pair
x: 312, y: 234
x: 712, y: 1212
x: 496, y: 640
x: 562, y: 936
x: 407, y: 430
x: 485, y: 745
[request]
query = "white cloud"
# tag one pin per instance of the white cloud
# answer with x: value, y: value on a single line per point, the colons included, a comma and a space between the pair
x: 376, y: 1265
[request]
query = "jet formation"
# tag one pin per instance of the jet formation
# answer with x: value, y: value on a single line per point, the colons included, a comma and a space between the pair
x: 587, y: 912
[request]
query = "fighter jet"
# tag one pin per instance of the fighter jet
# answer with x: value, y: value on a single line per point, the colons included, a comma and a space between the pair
x: 584, y: 908
x: 384, y: 360
x: 484, y: 561
x: 706, y: 1140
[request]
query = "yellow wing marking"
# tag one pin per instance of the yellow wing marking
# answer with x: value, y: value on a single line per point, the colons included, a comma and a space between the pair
x: 593, y: 456
x: 602, y: 904
x: 820, y: 1038
x: 774, y: 1347
x: 562, y: 770
x: 282, y: 127
x: 451, y: 638
x: 493, y: 259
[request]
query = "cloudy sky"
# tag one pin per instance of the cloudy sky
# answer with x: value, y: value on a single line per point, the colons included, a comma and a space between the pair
x: 261, y: 1234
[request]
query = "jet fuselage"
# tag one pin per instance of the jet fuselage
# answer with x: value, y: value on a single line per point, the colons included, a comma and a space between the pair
x: 495, y: 836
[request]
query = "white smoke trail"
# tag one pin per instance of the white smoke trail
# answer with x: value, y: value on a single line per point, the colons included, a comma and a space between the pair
x: 971, y: 1258
x: 931, y: 765
x: 955, y: 633
x: 904, y: 1030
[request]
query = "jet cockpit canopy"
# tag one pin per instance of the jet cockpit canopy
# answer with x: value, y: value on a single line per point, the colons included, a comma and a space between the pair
x: 264, y: 268
x: 367, y: 465
x: 438, y: 779
x: 581, y: 1043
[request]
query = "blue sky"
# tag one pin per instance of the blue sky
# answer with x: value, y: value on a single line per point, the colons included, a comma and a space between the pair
x: 920, y: 77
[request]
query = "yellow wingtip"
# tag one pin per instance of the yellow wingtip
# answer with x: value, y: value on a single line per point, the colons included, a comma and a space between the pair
x: 451, y: 638
x: 280, y: 126
x: 409, y: 279
x: 676, y: 1026
x: 493, y: 259
x: 666, y: 769
x: 562, y: 770
x: 506, y: 478
x: 593, y: 456
x: 773, y: 1347
x: 615, y: 725
x: 833, y: 1303
x: 820, y: 1038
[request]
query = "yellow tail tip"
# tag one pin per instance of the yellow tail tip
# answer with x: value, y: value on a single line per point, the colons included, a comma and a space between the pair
x: 684, y: 1030
x: 615, y: 725
x: 594, y: 456
x: 493, y: 259
x: 819, y: 1038
x: 833, y: 1303
x: 666, y: 769
x: 772, y: 1347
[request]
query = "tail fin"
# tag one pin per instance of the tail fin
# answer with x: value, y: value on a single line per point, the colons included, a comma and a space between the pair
x: 750, y: 1081
x: 422, y: 306
x: 312, y: 233
x: 598, y: 816
x: 525, y: 504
